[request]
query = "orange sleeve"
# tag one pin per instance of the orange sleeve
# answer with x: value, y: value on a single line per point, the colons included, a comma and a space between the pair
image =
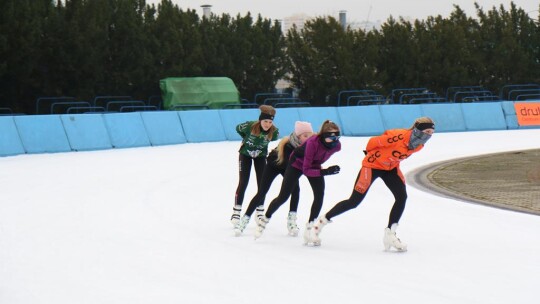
x: 378, y: 141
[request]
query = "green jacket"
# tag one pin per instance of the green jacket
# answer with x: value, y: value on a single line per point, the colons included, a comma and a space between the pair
x: 254, y: 145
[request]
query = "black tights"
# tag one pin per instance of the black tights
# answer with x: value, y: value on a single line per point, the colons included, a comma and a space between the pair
x: 392, y: 180
x: 244, y: 169
x: 290, y: 180
x: 269, y: 174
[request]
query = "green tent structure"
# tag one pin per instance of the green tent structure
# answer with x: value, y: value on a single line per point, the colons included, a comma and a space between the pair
x: 213, y: 92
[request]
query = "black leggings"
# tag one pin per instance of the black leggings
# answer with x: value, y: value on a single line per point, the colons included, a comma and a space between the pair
x: 244, y: 169
x: 290, y: 180
x: 269, y: 174
x: 392, y: 180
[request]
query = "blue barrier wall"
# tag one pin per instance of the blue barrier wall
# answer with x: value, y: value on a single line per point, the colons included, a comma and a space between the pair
x: 42, y: 133
x: 316, y: 116
x: 63, y: 133
x: 449, y: 117
x: 510, y: 114
x: 285, y: 119
x: 203, y: 125
x: 399, y: 116
x: 361, y: 121
x: 163, y: 128
x: 231, y: 118
x: 86, y: 132
x: 126, y: 130
x: 10, y: 142
x: 483, y: 116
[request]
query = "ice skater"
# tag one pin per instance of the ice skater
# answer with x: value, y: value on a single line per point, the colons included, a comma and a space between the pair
x: 276, y: 163
x: 307, y: 160
x: 383, y: 156
x: 256, y: 135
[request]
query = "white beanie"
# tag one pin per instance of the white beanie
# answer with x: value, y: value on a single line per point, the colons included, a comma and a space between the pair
x: 301, y: 127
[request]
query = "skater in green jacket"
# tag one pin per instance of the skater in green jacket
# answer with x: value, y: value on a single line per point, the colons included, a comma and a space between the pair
x: 256, y: 135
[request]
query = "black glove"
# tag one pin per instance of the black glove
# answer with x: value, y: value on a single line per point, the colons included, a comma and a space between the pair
x: 330, y: 170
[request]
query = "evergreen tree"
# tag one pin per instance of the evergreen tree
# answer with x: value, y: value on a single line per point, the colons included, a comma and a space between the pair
x: 321, y: 60
x: 447, y: 49
x: 397, y: 47
x: 262, y: 58
x: 508, y: 38
x: 20, y: 37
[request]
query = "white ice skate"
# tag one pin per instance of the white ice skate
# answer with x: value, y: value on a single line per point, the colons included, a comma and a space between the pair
x: 235, y: 217
x: 259, y: 211
x: 291, y: 224
x: 313, y: 238
x: 261, y: 225
x: 241, y: 225
x: 391, y: 240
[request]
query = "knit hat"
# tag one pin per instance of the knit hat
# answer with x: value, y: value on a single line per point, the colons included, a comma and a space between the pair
x: 302, y: 127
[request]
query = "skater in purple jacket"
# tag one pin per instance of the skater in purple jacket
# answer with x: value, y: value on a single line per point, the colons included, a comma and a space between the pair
x: 307, y: 160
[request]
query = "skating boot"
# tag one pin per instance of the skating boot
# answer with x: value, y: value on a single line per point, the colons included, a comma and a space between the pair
x: 260, y: 211
x: 241, y: 225
x: 235, y: 217
x: 261, y: 225
x: 307, y: 234
x: 316, y: 230
x: 391, y: 240
x: 291, y: 224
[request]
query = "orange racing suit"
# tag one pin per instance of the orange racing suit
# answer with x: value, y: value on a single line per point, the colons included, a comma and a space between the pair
x: 385, y: 152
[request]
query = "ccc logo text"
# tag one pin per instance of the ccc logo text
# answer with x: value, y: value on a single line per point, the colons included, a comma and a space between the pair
x: 395, y: 139
x: 399, y: 155
x: 374, y: 156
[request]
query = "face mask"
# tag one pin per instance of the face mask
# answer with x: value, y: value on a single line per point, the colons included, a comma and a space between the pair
x: 334, y: 136
x: 417, y: 138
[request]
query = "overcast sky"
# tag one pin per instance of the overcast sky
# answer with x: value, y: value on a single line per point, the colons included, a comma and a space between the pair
x: 357, y: 10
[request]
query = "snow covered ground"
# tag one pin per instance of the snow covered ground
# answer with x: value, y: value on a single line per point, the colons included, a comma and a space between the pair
x: 151, y: 225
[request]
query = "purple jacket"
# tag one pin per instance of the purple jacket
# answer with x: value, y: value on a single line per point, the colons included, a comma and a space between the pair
x: 315, y: 155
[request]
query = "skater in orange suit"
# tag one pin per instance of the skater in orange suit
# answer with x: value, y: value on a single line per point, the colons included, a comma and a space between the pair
x: 383, y: 155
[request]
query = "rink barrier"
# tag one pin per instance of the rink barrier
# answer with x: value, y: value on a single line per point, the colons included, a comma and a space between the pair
x: 202, y: 125
x: 85, y: 132
x: 399, y: 116
x: 42, y: 134
x: 126, y: 130
x: 231, y: 118
x: 483, y: 116
x: 360, y: 120
x: 163, y: 128
x: 284, y: 120
x: 316, y: 116
x: 449, y: 117
x: 10, y: 141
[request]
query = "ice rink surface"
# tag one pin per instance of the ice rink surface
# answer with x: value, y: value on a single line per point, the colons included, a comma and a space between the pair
x: 151, y: 225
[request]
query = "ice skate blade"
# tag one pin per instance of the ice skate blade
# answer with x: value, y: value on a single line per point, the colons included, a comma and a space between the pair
x: 395, y: 250
x: 293, y: 234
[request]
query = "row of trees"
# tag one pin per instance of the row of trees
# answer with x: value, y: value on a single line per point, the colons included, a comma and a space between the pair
x: 496, y: 48
x: 85, y: 48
